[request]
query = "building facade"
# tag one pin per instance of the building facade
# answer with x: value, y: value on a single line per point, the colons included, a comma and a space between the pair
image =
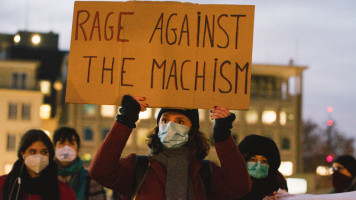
x: 20, y: 102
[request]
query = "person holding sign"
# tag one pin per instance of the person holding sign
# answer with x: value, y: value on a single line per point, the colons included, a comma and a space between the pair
x: 175, y: 167
x: 263, y: 160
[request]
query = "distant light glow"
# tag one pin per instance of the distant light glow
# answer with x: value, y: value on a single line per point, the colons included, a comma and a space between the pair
x: 36, y: 39
x: 251, y: 117
x: 283, y: 118
x: 87, y: 157
x: 297, y: 185
x: 330, y: 122
x: 107, y: 110
x: 45, y: 87
x: 329, y: 158
x: 324, y: 171
x: 286, y: 168
x: 145, y: 114
x: 7, y: 168
x: 47, y: 133
x: 17, y: 38
x: 269, y: 116
x: 330, y: 109
x: 45, y: 111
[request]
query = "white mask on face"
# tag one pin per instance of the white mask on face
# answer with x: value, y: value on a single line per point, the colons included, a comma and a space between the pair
x: 36, y: 162
x: 66, y: 154
x: 173, y: 135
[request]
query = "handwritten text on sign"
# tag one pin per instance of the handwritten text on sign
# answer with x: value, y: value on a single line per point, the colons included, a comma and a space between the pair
x: 175, y: 54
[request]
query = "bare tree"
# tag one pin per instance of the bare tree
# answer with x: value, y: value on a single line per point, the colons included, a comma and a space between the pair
x: 319, y: 142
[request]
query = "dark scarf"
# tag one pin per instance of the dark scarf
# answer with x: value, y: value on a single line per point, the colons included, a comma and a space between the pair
x: 340, y: 182
x: 77, y: 182
x: 178, y: 183
x: 46, y: 185
x: 261, y: 188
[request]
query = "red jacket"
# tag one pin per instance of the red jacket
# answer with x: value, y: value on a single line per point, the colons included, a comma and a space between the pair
x: 228, y: 181
x: 65, y: 191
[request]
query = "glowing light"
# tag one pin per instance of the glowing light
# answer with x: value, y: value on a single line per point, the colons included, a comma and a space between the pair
x: 17, y: 38
x: 269, y: 116
x: 36, y: 39
x: 330, y: 158
x: 87, y: 157
x: 251, y: 117
x: 45, y: 111
x: 146, y: 114
x: 330, y: 109
x: 7, y: 168
x: 330, y: 122
x: 45, y: 87
x: 283, y: 118
x: 324, y: 171
x: 107, y: 110
x: 286, y: 168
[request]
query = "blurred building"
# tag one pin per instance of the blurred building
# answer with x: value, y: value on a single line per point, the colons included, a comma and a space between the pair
x: 20, y: 102
x: 43, y: 48
x: 275, y: 111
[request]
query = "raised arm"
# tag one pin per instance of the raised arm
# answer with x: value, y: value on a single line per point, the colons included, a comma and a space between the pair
x: 231, y: 180
x: 107, y: 168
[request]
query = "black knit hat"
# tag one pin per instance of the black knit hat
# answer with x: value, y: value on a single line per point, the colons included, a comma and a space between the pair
x: 259, y: 145
x: 192, y: 114
x: 348, y: 162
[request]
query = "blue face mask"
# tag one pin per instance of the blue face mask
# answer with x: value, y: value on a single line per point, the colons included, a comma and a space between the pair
x: 257, y: 170
x: 173, y: 135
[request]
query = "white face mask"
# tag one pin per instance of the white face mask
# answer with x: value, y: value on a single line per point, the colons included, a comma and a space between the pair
x: 66, y: 154
x: 36, y: 162
x: 173, y: 135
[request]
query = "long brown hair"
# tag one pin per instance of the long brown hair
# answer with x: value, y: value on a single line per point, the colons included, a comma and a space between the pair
x: 198, y: 143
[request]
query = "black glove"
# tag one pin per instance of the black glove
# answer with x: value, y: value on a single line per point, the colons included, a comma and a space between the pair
x: 129, y: 111
x: 222, y: 128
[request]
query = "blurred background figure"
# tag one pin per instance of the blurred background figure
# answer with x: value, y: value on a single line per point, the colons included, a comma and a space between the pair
x: 263, y: 160
x: 344, y: 176
x: 34, y: 174
x: 70, y: 167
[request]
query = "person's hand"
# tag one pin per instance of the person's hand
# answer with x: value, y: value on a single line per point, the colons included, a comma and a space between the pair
x: 274, y: 197
x: 223, y: 123
x: 219, y: 112
x: 140, y: 100
x: 130, y: 109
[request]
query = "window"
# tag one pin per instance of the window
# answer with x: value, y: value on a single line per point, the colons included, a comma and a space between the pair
x: 283, y: 118
x: 26, y: 112
x: 104, y: 132
x: 11, y: 142
x: 12, y: 111
x: 15, y: 78
x: 107, y: 110
x: 88, y: 134
x: 285, y: 143
x: 141, y: 136
x: 89, y: 110
x: 19, y: 80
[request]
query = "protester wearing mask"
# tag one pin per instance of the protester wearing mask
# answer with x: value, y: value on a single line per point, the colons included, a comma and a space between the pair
x: 70, y: 167
x: 34, y: 174
x: 344, y: 176
x: 176, y: 150
x: 262, y: 157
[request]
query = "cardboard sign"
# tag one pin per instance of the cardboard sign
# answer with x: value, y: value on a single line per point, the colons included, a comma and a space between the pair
x: 175, y: 54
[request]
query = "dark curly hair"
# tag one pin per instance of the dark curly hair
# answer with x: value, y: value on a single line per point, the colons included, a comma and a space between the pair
x: 198, y: 143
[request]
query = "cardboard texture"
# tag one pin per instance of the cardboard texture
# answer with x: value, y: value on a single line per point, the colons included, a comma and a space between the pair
x: 180, y: 55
